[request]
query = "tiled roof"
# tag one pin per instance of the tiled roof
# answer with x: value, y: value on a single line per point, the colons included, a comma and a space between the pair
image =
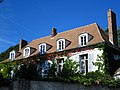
x: 72, y: 35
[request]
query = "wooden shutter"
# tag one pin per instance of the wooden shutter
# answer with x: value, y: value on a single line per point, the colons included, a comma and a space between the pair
x: 90, y: 62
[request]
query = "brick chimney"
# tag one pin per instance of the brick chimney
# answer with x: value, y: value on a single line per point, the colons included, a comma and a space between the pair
x: 54, y: 32
x: 112, y: 27
x: 22, y: 43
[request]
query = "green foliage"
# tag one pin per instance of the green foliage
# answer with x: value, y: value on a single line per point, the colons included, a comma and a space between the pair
x: 4, y: 55
x: 28, y: 72
x: 52, y: 71
x: 5, y: 70
x: 1, y: 79
x: 69, y: 73
x: 96, y: 78
x: 7, y: 67
x: 109, y: 81
x: 70, y: 68
x: 102, y: 63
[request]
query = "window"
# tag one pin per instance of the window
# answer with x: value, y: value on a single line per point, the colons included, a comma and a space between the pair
x: 45, y: 68
x: 60, y: 63
x: 12, y: 55
x: 61, y: 44
x: 83, y: 39
x: 26, y: 52
x: 84, y: 63
x: 42, y: 48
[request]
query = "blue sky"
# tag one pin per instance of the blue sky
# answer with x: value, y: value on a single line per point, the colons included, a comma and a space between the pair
x: 32, y: 19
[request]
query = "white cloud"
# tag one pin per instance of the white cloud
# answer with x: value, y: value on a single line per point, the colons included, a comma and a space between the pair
x: 7, y: 41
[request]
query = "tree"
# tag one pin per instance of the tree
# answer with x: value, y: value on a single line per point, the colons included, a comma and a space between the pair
x: 4, y: 55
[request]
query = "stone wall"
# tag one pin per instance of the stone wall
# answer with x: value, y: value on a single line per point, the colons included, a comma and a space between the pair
x: 44, y: 85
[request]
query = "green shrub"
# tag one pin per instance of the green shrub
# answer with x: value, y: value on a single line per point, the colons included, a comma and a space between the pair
x: 1, y: 79
x: 70, y: 68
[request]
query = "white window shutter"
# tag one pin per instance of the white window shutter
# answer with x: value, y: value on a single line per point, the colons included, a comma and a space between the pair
x: 90, y: 62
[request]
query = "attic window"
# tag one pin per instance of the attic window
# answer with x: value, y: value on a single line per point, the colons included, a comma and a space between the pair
x: 26, y: 52
x: 12, y: 55
x: 61, y: 44
x: 83, y: 39
x: 42, y: 48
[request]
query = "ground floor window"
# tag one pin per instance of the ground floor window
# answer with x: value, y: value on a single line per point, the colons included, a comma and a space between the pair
x: 43, y: 68
x: 84, y: 63
x: 60, y: 63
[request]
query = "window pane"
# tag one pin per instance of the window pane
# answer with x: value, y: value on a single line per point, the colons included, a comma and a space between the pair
x: 12, y: 55
x: 82, y: 71
x: 84, y: 40
x: 62, y: 45
x: 60, y: 63
x: 84, y: 63
x: 81, y: 40
x: 26, y: 52
x: 59, y: 45
x: 82, y: 67
x: 42, y: 49
x: 81, y: 57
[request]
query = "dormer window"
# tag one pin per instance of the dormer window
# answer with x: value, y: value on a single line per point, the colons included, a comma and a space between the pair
x: 42, y: 48
x: 83, y: 39
x: 12, y: 55
x: 61, y: 44
x: 26, y: 52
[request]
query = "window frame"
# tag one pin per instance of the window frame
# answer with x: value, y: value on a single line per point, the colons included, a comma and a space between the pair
x: 84, y: 63
x: 83, y: 39
x: 62, y: 46
x: 10, y: 56
x: 43, y: 50
x: 24, y: 52
x: 60, y: 63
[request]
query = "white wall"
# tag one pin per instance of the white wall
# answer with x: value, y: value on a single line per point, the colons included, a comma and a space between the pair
x: 92, y: 57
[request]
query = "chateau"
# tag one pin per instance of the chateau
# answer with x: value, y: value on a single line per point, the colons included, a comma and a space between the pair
x: 79, y: 44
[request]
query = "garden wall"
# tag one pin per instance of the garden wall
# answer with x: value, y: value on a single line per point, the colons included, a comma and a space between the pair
x: 44, y: 85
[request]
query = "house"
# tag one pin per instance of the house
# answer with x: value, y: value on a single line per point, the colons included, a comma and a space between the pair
x: 80, y: 44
